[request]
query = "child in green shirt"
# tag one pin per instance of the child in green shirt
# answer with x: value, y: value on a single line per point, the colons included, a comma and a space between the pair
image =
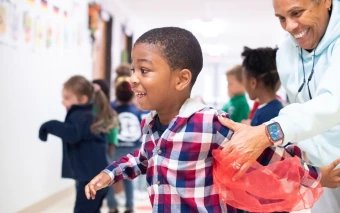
x: 237, y: 108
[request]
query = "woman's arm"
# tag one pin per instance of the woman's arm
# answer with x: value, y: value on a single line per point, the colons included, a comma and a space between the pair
x: 302, y: 121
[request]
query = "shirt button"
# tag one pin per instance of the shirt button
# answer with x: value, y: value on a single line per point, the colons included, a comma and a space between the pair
x: 158, y: 183
x: 159, y: 151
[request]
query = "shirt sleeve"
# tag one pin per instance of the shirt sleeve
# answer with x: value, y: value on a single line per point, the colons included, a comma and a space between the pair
x: 129, y: 166
x: 302, y: 121
x: 221, y: 134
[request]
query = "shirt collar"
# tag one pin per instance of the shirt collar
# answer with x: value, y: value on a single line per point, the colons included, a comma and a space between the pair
x: 189, y: 107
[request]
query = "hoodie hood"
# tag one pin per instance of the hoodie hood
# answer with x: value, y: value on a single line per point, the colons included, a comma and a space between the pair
x: 332, y: 31
x: 314, y: 124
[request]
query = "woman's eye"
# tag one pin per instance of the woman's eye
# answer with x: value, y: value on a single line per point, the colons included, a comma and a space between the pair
x: 296, y: 13
x: 132, y: 70
x: 142, y: 70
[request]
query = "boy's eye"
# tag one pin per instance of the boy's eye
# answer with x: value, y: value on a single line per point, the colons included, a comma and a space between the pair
x: 142, y: 70
x: 282, y: 19
x: 132, y: 70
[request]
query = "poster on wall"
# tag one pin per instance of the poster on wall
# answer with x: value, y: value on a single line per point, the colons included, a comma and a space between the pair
x: 27, y: 26
x: 58, y: 29
x: 4, y: 10
x: 14, y: 24
x: 66, y: 43
x: 39, y: 34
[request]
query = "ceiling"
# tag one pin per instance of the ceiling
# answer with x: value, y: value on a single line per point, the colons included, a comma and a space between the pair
x: 233, y: 23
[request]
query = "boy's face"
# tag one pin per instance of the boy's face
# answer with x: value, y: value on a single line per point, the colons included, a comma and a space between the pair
x: 234, y: 86
x: 152, y: 80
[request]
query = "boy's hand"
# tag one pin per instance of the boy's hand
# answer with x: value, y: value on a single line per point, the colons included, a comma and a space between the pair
x: 99, y: 182
x: 330, y: 176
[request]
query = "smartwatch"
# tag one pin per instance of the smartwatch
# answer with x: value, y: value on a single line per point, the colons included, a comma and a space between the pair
x: 274, y: 132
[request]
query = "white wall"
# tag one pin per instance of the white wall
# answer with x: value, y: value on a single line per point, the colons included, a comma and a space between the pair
x: 30, y: 91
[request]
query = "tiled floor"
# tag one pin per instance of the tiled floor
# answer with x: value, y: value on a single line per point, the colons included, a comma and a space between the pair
x: 142, y: 204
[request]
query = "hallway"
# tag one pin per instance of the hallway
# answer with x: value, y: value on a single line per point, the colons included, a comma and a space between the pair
x: 65, y: 205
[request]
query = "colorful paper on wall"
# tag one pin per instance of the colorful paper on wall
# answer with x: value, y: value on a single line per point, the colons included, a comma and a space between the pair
x: 3, y: 19
x: 14, y: 24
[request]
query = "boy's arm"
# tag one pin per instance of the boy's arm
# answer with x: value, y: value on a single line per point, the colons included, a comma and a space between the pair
x: 328, y: 176
x: 69, y: 132
x: 221, y: 134
x: 128, y: 167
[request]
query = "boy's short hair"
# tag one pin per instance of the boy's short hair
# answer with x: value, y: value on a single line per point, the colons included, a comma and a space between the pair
x: 237, y: 72
x: 178, y: 47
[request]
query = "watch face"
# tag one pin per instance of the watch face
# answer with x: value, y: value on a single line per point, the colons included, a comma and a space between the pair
x: 275, y: 131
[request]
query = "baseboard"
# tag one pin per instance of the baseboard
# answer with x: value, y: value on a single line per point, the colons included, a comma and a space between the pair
x: 49, y: 201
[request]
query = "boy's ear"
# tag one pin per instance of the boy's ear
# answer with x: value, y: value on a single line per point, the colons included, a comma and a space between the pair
x: 183, y: 79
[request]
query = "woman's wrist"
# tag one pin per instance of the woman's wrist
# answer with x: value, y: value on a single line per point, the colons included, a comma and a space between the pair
x: 264, y: 138
x: 274, y: 133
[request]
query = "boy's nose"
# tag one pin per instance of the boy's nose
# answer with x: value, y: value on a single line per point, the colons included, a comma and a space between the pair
x: 134, y: 80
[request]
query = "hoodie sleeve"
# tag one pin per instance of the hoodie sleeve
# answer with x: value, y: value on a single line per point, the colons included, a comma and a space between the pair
x: 71, y: 131
x: 300, y: 121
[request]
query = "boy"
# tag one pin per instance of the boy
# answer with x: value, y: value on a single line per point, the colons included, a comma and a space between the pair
x: 179, y: 134
x: 237, y: 107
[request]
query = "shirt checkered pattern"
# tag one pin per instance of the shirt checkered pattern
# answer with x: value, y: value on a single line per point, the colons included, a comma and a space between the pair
x: 178, y: 164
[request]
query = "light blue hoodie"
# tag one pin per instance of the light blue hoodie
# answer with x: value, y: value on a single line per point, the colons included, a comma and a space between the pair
x: 314, y: 124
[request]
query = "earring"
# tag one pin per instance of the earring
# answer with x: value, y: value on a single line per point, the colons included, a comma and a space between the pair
x: 329, y: 8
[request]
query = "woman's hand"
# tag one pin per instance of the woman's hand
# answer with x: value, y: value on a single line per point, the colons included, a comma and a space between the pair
x: 246, y: 144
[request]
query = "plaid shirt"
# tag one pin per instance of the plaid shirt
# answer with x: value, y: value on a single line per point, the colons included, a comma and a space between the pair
x: 178, y: 164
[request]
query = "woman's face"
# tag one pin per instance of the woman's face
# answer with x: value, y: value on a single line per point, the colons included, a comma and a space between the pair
x: 305, y: 20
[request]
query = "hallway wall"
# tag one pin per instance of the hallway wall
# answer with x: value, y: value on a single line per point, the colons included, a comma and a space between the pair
x: 30, y: 91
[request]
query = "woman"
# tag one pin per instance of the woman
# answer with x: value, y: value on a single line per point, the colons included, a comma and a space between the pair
x: 309, y: 66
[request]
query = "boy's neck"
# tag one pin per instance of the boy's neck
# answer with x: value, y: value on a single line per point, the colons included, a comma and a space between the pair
x: 167, y: 114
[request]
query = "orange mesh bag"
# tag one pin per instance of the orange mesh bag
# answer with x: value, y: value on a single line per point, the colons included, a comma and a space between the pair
x: 278, y: 186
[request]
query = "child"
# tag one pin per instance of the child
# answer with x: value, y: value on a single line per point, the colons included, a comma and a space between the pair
x: 129, y: 135
x: 179, y: 135
x: 260, y: 81
x: 237, y: 107
x: 83, y: 136
x: 123, y: 72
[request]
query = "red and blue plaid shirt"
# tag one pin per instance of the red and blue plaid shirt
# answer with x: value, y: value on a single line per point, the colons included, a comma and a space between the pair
x: 179, y: 163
